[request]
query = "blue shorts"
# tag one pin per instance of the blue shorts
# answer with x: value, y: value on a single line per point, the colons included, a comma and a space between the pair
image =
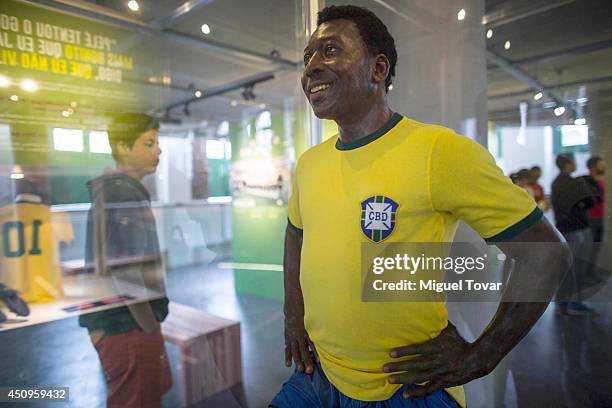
x: 315, y: 391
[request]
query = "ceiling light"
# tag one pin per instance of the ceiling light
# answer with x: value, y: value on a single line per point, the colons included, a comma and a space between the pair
x: 559, y: 110
x: 28, y: 85
x: 507, y: 45
x: 206, y: 29
x: 198, y: 93
x: 4, y: 81
x: 133, y: 5
x: 66, y: 114
x: 580, y: 121
x: 461, y: 15
x: 14, y: 98
x: 538, y: 96
x: 234, y: 103
x: 390, y: 88
x: 17, y: 176
x: 489, y: 33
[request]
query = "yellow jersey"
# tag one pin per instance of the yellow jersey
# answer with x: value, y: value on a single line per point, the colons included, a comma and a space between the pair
x: 29, y: 255
x: 425, y: 178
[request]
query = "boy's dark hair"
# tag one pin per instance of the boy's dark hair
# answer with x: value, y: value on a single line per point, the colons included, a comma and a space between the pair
x: 373, y: 32
x: 538, y: 168
x: 592, y: 162
x: 563, y: 160
x: 127, y: 127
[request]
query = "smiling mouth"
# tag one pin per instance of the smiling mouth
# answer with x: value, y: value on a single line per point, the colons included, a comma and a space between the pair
x: 319, y: 88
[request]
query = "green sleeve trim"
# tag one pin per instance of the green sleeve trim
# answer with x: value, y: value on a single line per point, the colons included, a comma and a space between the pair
x: 296, y: 229
x: 517, y: 228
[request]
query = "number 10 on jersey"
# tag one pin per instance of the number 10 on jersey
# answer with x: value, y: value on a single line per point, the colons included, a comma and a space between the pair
x: 17, y: 249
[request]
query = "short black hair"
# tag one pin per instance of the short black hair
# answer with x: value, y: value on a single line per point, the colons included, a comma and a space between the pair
x: 373, y: 31
x: 523, y: 174
x: 592, y: 162
x: 536, y: 168
x: 127, y: 127
x: 563, y: 160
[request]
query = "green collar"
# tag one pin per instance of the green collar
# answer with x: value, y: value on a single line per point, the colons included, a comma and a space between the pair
x: 395, y: 119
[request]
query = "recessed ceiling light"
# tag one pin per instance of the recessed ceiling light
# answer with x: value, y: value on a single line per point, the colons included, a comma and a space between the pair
x: 28, y: 85
x: 198, y: 93
x: 206, y: 29
x: 538, y: 96
x: 133, y: 5
x: 560, y: 110
x: 14, y: 98
x: 507, y: 45
x: 580, y: 121
x: 489, y: 33
x: 461, y: 15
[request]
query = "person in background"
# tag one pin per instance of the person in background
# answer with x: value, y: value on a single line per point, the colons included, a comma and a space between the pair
x: 523, y: 180
x: 538, y: 190
x: 595, y: 180
x: 596, y: 275
x: 122, y: 243
x: 513, y: 177
x: 571, y: 198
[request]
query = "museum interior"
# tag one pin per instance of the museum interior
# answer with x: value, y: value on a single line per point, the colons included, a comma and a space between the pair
x: 219, y: 80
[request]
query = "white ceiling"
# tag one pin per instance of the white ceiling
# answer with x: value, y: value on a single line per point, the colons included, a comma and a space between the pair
x: 261, y: 26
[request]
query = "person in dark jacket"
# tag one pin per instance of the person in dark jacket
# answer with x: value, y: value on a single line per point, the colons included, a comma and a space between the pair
x: 122, y: 245
x: 571, y: 198
x: 595, y: 180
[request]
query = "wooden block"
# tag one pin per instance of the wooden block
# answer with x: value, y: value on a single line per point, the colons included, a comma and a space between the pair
x: 210, y: 356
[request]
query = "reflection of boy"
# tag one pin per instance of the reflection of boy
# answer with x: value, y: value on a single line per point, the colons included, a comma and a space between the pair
x: 122, y: 241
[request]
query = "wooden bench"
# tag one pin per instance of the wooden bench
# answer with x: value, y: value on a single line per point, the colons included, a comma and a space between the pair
x: 209, y: 345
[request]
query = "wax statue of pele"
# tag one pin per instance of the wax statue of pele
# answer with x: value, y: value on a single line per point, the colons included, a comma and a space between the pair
x: 392, y: 354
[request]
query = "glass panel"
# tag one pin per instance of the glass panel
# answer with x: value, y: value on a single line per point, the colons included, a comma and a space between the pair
x: 131, y: 136
x: 148, y: 154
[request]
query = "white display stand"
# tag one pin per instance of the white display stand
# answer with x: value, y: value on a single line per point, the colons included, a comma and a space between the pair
x: 80, y: 289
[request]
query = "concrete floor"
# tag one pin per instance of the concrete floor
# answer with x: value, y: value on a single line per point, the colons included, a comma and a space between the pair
x: 563, y: 362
